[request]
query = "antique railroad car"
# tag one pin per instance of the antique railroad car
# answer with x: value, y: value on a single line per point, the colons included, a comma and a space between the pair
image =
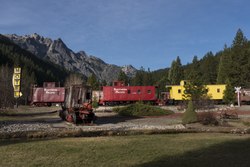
x: 176, y: 92
x: 50, y: 93
x: 244, y: 96
x: 121, y: 94
x: 77, y: 106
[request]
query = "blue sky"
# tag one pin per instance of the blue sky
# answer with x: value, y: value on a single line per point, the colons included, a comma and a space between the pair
x: 148, y: 33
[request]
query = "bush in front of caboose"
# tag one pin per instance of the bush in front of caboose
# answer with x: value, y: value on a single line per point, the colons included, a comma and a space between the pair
x: 190, y: 115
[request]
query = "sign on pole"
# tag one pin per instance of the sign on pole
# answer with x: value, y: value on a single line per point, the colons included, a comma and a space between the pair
x: 237, y: 90
x: 16, y: 82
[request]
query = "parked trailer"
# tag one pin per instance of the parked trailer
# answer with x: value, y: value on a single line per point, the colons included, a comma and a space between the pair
x: 47, y: 95
x: 77, y: 106
x: 120, y: 94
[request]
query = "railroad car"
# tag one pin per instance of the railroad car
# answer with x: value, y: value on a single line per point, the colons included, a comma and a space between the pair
x: 121, y: 94
x: 50, y: 93
x: 176, y: 92
x: 77, y: 106
x: 244, y: 96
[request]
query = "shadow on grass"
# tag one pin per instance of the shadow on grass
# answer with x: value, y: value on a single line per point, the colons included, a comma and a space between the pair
x: 229, y: 154
x: 7, y: 142
x: 16, y: 114
x: 31, y: 121
x: 115, y: 119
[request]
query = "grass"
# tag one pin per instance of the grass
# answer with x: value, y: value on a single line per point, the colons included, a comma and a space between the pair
x: 27, y: 113
x: 142, y: 150
x: 139, y: 109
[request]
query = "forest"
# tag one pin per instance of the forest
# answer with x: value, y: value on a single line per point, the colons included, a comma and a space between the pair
x: 34, y: 71
x: 229, y: 66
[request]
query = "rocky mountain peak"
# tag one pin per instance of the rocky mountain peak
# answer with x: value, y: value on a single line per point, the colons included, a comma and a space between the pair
x: 57, y: 52
x: 129, y: 70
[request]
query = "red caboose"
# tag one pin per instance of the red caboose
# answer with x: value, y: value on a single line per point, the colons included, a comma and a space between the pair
x: 48, y: 94
x: 121, y: 94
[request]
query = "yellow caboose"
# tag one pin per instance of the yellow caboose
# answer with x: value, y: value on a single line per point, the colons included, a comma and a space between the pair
x: 176, y: 92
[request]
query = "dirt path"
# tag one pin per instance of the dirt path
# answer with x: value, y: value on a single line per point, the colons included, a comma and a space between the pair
x: 46, y: 122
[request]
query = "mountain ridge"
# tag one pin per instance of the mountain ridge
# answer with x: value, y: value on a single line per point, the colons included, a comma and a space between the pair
x: 56, y: 51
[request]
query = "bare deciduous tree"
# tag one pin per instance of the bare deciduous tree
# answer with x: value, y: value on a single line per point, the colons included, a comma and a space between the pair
x: 73, y: 79
x: 6, y: 89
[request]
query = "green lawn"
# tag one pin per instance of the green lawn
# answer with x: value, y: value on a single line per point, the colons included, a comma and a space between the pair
x: 141, y: 150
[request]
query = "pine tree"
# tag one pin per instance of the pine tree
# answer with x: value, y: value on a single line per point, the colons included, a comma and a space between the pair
x: 138, y: 79
x: 28, y: 79
x: 208, y: 69
x: 229, y: 93
x: 123, y: 77
x: 193, y: 72
x: 196, y: 92
x: 189, y: 115
x: 225, y: 64
x: 238, y: 75
x: 175, y: 74
x: 93, y: 82
x: 147, y: 78
x: 239, y: 40
x: 95, y: 103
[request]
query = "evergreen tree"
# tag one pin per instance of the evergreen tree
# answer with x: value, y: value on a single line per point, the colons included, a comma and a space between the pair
x: 147, y: 78
x: 196, y: 92
x: 95, y: 103
x: 123, y: 77
x: 28, y: 79
x: 175, y: 74
x: 239, y: 40
x: 160, y: 79
x: 229, y: 93
x: 104, y: 83
x: 138, y: 79
x: 225, y: 64
x: 189, y: 115
x: 193, y: 72
x: 93, y: 82
x: 238, y: 75
x: 208, y: 69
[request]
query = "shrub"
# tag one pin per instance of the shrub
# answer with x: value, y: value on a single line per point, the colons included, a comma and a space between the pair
x: 189, y: 115
x: 208, y: 118
x: 95, y: 103
x: 139, y: 109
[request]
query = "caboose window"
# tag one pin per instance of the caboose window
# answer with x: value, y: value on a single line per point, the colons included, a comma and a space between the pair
x: 218, y: 90
x: 128, y: 91
x: 138, y: 91
x: 149, y: 91
x: 179, y: 91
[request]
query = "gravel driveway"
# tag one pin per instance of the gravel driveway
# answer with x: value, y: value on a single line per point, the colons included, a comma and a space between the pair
x: 46, y: 122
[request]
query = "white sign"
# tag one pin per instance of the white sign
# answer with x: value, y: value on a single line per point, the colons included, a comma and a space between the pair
x: 120, y: 90
x: 237, y: 90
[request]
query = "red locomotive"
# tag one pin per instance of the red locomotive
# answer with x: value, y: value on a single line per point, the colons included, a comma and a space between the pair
x: 50, y: 93
x: 121, y: 94
x: 77, y: 106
